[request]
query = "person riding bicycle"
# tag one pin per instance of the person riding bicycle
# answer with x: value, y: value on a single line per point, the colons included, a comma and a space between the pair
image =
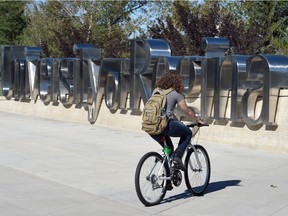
x: 175, y: 128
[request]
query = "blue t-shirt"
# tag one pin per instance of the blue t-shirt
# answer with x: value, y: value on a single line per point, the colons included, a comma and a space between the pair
x: 173, y: 98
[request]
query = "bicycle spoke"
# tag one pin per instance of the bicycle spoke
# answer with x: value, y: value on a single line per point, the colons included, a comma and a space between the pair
x: 197, y: 179
x: 150, y: 186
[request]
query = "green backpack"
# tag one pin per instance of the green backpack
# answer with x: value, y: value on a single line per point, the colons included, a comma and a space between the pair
x: 154, y: 118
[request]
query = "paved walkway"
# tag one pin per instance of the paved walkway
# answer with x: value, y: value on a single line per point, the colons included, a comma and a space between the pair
x: 54, y: 168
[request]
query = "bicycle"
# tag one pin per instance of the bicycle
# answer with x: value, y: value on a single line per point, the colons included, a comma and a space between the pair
x: 154, y: 170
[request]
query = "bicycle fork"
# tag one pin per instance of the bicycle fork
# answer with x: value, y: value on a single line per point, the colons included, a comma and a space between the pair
x: 197, y: 160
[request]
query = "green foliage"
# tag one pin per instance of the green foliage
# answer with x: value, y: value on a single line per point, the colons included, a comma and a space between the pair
x: 12, y: 21
x: 251, y: 26
x: 280, y: 44
x: 188, y: 25
x: 57, y: 25
x: 270, y: 20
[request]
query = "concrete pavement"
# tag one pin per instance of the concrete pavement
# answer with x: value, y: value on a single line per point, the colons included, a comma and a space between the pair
x: 57, y: 168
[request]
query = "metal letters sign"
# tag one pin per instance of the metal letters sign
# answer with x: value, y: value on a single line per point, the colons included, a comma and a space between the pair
x: 230, y: 86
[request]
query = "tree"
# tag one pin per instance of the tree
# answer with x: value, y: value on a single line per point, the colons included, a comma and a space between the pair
x: 57, y: 25
x: 187, y: 26
x: 12, y: 21
x: 271, y: 19
x: 251, y: 26
x: 262, y: 26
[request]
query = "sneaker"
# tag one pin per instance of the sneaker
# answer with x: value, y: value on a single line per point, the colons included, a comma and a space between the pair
x: 178, y: 163
x: 169, y: 187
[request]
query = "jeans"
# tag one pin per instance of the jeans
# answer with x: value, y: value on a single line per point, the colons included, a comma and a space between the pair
x: 175, y: 128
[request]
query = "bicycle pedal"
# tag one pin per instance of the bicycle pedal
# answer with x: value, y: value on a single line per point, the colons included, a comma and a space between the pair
x: 179, y: 167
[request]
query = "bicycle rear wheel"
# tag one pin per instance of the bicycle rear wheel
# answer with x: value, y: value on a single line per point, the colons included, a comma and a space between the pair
x: 197, y: 175
x: 150, y: 183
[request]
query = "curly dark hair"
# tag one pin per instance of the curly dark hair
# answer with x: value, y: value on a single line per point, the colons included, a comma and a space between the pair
x: 171, y: 79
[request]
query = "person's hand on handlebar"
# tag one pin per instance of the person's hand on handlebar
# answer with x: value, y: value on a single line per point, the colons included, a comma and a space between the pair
x: 201, y: 123
x: 182, y: 104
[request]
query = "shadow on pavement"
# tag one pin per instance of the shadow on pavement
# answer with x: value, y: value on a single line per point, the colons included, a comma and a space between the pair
x: 212, y: 187
x: 183, y: 195
x: 220, y: 185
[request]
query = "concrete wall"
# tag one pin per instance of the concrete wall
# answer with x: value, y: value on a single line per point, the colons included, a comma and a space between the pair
x: 262, y: 138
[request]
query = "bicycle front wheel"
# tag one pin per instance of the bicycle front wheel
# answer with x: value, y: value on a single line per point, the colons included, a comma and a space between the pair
x: 197, y: 174
x: 150, y: 182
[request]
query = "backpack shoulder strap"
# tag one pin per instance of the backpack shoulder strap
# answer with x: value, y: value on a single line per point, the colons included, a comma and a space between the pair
x: 167, y: 91
x: 163, y: 91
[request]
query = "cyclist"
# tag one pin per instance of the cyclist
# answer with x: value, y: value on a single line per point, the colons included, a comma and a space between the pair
x: 175, y: 128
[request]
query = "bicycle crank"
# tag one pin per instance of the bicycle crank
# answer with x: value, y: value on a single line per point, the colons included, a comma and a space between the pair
x: 176, y: 178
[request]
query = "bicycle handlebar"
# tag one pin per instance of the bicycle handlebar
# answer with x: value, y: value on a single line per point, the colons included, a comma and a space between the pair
x: 197, y: 124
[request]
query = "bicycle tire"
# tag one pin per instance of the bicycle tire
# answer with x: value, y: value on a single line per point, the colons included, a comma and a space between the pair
x: 150, y: 190
x: 196, y: 179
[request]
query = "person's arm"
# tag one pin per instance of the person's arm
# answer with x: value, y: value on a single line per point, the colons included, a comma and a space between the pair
x: 183, y: 106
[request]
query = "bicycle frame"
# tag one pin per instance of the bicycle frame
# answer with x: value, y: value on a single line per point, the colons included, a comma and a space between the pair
x: 167, y: 158
x: 190, y: 145
x: 196, y: 156
x: 159, y: 174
